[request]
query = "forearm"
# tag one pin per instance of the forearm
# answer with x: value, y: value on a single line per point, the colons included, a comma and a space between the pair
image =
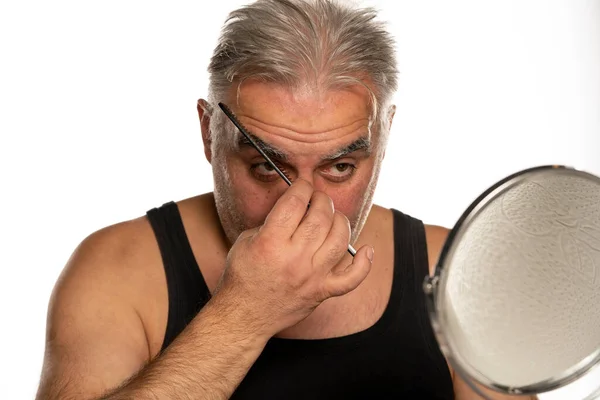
x: 207, y: 360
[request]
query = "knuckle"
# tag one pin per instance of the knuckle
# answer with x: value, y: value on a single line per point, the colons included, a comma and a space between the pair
x: 311, y: 229
x: 340, y: 244
x: 316, y: 222
x: 261, y: 244
x: 322, y: 216
x: 335, y: 249
x: 266, y: 246
x: 283, y: 217
x: 338, y: 241
x: 334, y: 254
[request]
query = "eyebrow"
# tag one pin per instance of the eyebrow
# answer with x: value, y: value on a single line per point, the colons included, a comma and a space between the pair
x: 270, y: 151
x: 362, y: 143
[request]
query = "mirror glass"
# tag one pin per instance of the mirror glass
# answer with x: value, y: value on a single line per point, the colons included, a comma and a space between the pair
x: 515, y: 300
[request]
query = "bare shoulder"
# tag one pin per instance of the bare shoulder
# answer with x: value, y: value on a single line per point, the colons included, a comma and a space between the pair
x: 436, y: 238
x: 95, y: 336
x: 436, y: 235
x: 122, y: 242
x: 108, y: 261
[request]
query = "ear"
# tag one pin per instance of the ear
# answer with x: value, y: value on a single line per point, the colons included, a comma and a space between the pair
x: 391, y: 114
x: 204, y: 113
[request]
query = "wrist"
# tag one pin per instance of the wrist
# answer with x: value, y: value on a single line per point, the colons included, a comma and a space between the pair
x: 238, y: 317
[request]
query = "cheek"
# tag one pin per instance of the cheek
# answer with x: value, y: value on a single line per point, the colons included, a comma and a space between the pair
x: 350, y: 201
x: 254, y: 201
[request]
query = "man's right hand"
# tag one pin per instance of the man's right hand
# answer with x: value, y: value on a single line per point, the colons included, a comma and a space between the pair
x: 278, y: 273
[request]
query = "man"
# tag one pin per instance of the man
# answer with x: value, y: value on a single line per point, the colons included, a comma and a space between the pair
x: 249, y: 291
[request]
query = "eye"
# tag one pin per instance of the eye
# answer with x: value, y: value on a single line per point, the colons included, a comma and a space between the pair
x: 340, y: 171
x: 264, y: 172
x: 342, y: 167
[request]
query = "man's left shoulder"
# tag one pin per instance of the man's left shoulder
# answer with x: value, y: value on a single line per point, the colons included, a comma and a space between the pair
x: 436, y: 236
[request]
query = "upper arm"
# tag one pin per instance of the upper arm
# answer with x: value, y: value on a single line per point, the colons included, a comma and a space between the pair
x: 95, y: 338
x: 436, y: 238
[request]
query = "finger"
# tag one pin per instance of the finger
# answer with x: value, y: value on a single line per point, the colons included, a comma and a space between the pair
x: 316, y: 224
x: 345, y: 280
x: 282, y: 221
x: 335, y: 245
x: 248, y: 233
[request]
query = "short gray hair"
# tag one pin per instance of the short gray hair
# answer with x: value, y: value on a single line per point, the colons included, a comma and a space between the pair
x: 312, y: 42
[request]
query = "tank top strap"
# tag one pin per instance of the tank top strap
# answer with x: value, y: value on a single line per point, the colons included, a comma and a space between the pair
x: 410, y: 251
x: 186, y: 286
x: 410, y: 269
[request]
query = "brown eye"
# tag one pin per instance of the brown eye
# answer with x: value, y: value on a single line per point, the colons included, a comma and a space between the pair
x: 340, y: 172
x: 264, y: 168
x: 264, y: 172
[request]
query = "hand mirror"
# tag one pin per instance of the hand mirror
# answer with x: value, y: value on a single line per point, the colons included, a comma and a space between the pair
x: 515, y: 297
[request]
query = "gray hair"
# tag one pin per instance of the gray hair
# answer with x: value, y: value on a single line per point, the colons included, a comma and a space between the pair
x: 316, y: 43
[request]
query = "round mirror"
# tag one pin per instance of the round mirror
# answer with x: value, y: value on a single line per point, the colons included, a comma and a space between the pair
x: 515, y: 298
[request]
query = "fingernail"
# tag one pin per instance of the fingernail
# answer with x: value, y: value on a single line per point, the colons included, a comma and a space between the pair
x: 370, y: 253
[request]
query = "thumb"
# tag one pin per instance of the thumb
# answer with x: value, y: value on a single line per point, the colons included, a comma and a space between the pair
x: 345, y: 280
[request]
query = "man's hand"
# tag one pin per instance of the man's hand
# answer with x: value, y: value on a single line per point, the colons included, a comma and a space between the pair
x: 277, y: 274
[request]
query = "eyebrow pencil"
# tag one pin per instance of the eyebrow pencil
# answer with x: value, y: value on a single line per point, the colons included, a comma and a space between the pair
x: 281, y: 173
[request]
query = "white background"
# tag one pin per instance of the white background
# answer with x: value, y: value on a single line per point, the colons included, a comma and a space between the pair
x: 98, y: 123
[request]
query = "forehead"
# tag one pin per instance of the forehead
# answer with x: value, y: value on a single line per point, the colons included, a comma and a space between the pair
x: 303, y: 111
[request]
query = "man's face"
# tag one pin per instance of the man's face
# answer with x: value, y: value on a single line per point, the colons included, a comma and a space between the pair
x: 322, y: 138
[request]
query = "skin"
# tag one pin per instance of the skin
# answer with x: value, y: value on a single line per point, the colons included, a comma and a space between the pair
x: 300, y: 121
x: 108, y: 312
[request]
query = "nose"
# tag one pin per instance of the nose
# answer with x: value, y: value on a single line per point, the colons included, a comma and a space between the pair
x: 309, y: 176
x: 318, y: 185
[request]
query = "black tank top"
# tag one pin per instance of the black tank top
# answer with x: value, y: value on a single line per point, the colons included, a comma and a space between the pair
x: 396, y: 358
